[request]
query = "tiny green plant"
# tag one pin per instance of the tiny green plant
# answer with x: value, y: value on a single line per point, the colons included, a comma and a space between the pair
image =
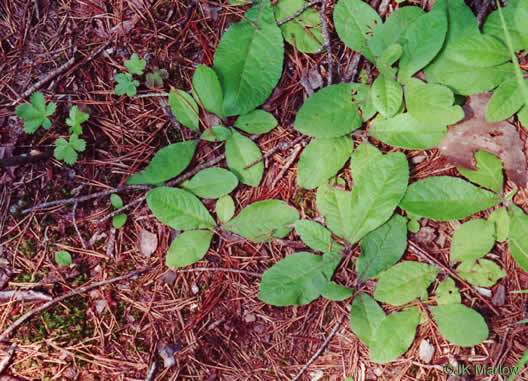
x: 119, y: 220
x: 63, y: 258
x: 36, y: 114
x: 75, y: 119
x: 156, y: 77
x: 126, y: 84
x: 67, y: 150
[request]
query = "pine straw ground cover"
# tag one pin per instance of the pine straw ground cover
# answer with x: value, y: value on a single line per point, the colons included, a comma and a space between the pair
x: 211, y: 318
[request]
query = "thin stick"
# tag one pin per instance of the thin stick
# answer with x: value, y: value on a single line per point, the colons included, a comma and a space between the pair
x: 281, y: 146
x: 151, y: 372
x: 6, y: 360
x: 321, y: 348
x: 287, y: 165
x: 326, y: 38
x: 75, y: 224
x: 299, y: 12
x: 257, y: 275
x: 78, y: 291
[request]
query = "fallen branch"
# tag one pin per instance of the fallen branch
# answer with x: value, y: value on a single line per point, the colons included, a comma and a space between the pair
x: 326, y: 38
x: 58, y: 299
x: 281, y: 146
x: 6, y: 360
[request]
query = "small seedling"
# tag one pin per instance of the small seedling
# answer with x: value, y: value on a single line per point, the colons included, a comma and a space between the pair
x: 126, y: 84
x: 36, y: 114
x: 75, y: 119
x: 67, y: 150
x: 155, y: 79
x: 63, y: 258
x: 135, y: 65
x: 120, y: 219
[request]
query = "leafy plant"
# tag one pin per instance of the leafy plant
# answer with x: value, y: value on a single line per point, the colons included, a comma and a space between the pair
x: 75, y: 119
x: 126, y: 84
x: 36, y: 114
x: 120, y: 219
x: 156, y: 77
x: 67, y: 149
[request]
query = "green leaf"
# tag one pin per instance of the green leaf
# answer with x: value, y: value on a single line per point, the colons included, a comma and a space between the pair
x: 63, y: 258
x: 445, y: 198
x: 460, y: 325
x: 76, y: 118
x: 256, y: 122
x: 483, y: 273
x: 155, y: 79
x: 207, y: 90
x: 351, y: 215
x: 488, y: 173
x: 116, y: 201
x: 425, y: 38
x: 220, y: 134
x: 394, y: 29
x: 505, y: 102
x: 405, y: 282
x: 518, y: 236
x: 515, y: 15
x: 211, y: 183
x: 179, y: 209
x: 406, y: 132
x: 382, y: 247
x: 67, y: 150
x: 447, y: 292
x: 135, y: 65
x: 330, y: 112
x: 321, y: 159
x: 167, y: 163
x: 304, y: 31
x: 36, y: 114
x: 295, y: 280
x: 364, y: 156
x: 472, y: 240
x: 388, y: 58
x: 248, y: 60
x: 413, y: 226
x: 356, y: 22
x: 188, y: 248
x: 184, y: 108
x: 240, y: 151
x: 479, y: 50
x: 501, y: 220
x: 361, y: 96
x: 314, y: 235
x: 365, y: 317
x: 225, y: 208
x: 394, y: 336
x: 126, y: 84
x: 262, y: 220
x: 432, y: 104
x: 119, y: 220
x: 337, y: 292
x: 387, y: 95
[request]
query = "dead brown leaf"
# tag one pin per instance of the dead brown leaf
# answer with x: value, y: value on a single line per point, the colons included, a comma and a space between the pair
x: 148, y: 242
x: 475, y: 133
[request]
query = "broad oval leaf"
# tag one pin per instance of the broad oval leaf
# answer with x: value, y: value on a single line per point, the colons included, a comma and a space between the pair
x: 119, y: 220
x: 304, y: 31
x: 364, y: 156
x: 262, y: 220
x: 382, y: 247
x: 351, y: 215
x: 518, y: 236
x: 460, y: 325
x: 507, y: 99
x: 116, y: 201
x: 405, y: 282
x: 179, y: 209
x: 336, y: 292
x: 63, y: 258
x: 365, y: 317
x: 386, y: 95
x: 225, y: 208
x: 394, y: 336
x: 248, y: 60
x: 167, y: 163
x: 515, y: 15
x: 207, y: 89
x: 240, y: 152
x: 295, y: 280
x: 188, y: 248
x: 479, y: 50
x: 406, y: 132
x: 488, y: 173
x: 445, y: 198
x: 184, y: 108
x: 432, y: 104
x: 447, y: 292
x: 330, y: 112
x: 483, y: 273
x: 472, y: 240
x: 425, y: 38
x: 356, y: 22
x: 211, y: 183
x: 394, y: 29
x: 321, y: 159
x: 314, y: 235
x: 501, y: 220
x: 256, y: 122
x: 216, y: 134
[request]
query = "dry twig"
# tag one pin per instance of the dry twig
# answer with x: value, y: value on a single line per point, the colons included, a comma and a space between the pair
x: 299, y: 12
